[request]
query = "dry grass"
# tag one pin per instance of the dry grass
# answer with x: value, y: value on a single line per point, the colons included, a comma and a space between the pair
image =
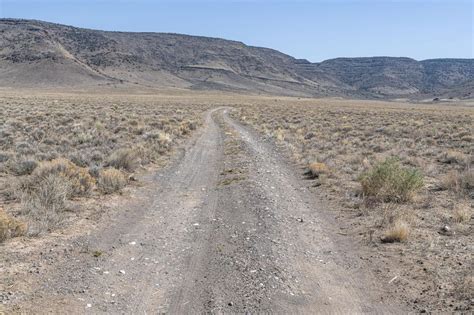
x: 398, y: 232
x: 317, y: 169
x: 111, y: 180
x: 54, y: 148
x: 459, y: 181
x: 45, y: 204
x: 79, y: 180
x: 462, y: 213
x: 126, y: 159
x: 354, y: 139
x: 10, y: 227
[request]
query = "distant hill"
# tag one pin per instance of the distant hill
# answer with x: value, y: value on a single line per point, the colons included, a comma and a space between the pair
x: 42, y: 54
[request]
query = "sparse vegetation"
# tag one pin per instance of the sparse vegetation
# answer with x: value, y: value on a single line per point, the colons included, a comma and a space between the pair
x: 336, y: 141
x: 356, y: 140
x: 54, y: 150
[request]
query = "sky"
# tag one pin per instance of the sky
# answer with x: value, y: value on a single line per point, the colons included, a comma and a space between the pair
x: 315, y: 30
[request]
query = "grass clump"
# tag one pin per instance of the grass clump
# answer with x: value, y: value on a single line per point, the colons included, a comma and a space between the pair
x: 81, y: 182
x: 45, y: 206
x: 389, y: 181
x: 9, y: 226
x: 111, y: 180
x: 460, y: 182
x: 126, y: 159
x: 462, y: 213
x: 316, y: 169
x: 398, y: 232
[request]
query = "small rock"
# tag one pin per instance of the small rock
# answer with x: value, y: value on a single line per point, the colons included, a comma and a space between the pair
x: 89, y: 305
x: 122, y: 272
x: 446, y: 230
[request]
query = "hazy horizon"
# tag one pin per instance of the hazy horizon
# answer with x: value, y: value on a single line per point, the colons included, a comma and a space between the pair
x: 315, y: 31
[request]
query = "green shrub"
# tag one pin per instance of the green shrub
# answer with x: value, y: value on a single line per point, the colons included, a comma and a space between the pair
x: 391, y: 182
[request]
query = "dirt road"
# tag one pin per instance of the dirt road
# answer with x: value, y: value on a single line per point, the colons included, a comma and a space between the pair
x: 228, y: 227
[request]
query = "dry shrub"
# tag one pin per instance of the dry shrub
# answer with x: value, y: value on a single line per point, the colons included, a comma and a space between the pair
x: 22, y: 166
x: 451, y: 181
x: 317, y: 169
x: 461, y: 182
x: 164, y: 141
x: 9, y: 226
x: 4, y: 156
x: 111, y: 180
x: 45, y: 205
x: 388, y: 181
x: 398, y: 232
x: 127, y: 159
x: 453, y: 157
x: 467, y: 182
x: 279, y: 135
x: 462, y: 213
x: 81, y: 182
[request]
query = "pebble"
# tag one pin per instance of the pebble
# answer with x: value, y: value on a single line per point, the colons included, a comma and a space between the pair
x: 446, y: 230
x: 122, y: 272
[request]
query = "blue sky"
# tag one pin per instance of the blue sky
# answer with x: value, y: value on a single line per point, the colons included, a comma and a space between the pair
x: 315, y: 30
